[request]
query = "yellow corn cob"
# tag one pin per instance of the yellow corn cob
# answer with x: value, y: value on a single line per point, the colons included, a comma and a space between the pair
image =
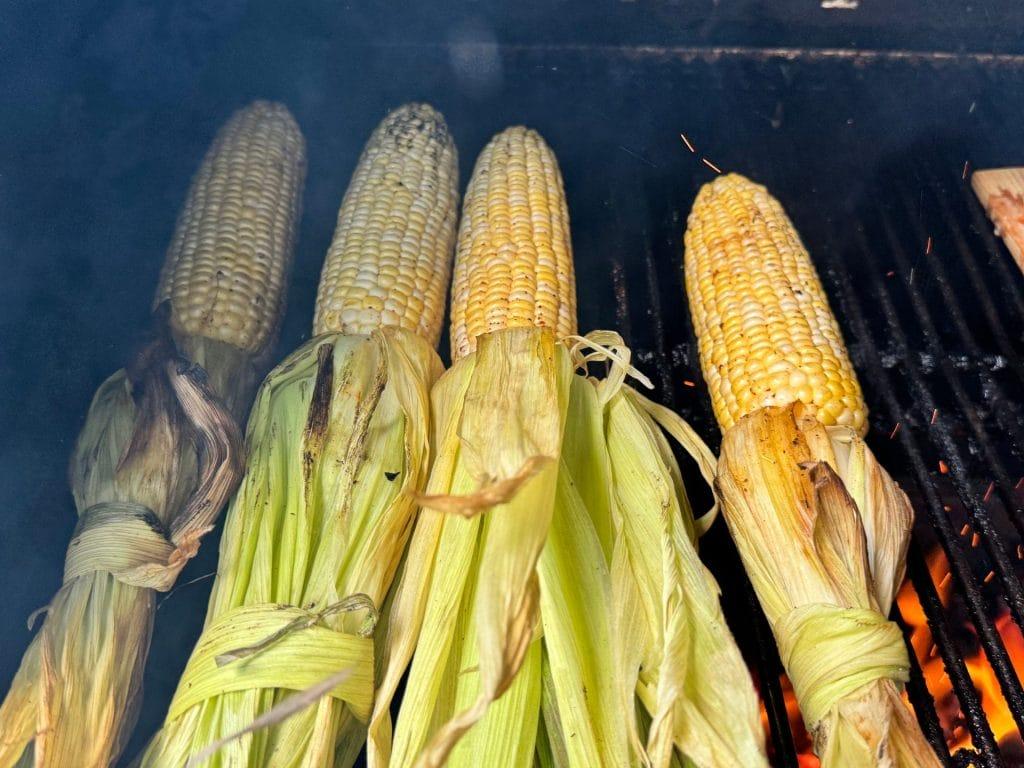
x: 389, y: 262
x: 763, y: 323
x: 513, y: 263
x: 226, y: 266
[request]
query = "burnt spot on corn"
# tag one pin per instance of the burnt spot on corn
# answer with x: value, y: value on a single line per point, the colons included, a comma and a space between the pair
x: 319, y: 410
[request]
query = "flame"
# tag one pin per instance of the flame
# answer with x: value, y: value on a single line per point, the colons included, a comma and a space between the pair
x: 951, y: 718
x: 947, y: 705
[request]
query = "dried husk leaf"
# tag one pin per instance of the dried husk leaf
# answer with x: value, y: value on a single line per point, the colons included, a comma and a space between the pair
x: 338, y: 445
x: 823, y: 530
x: 155, y: 462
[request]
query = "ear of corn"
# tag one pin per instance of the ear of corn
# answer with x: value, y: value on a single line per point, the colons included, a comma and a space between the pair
x: 389, y: 262
x: 339, y: 446
x: 550, y: 582
x: 765, y: 330
x: 225, y: 272
x: 158, y: 455
x: 822, y: 529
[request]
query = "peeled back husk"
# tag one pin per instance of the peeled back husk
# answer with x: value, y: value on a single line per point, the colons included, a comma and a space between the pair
x: 338, y: 446
x: 823, y: 532
x: 155, y: 462
x: 675, y: 655
x: 626, y: 609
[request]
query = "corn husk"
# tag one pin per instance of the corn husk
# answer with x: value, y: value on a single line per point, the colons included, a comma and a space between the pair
x: 468, y: 597
x: 626, y: 610
x: 823, y: 531
x: 156, y: 460
x: 337, y: 443
x: 677, y: 655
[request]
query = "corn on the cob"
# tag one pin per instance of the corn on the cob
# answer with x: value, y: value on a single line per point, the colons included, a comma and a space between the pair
x: 469, y: 595
x: 555, y: 527
x: 158, y: 455
x: 388, y: 265
x: 822, y: 529
x: 515, y: 265
x: 763, y: 323
x: 1001, y: 192
x: 338, y: 447
x: 232, y: 246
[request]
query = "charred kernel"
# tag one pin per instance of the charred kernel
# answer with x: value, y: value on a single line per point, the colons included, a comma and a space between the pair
x: 389, y: 261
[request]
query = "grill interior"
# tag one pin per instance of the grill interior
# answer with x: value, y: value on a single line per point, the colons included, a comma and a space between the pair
x: 866, y: 151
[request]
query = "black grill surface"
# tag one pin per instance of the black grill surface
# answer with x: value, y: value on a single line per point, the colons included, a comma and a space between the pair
x: 866, y: 151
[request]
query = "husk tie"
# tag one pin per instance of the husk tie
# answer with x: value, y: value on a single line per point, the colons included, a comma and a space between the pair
x: 814, y: 645
x: 126, y: 540
x: 280, y: 646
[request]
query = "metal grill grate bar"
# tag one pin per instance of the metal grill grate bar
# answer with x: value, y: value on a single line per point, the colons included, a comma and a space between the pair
x: 980, y: 519
x: 970, y: 702
x: 967, y: 585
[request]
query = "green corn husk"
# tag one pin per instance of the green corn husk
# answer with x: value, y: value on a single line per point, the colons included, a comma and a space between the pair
x: 469, y: 592
x: 511, y: 672
x: 156, y: 461
x: 283, y: 674
x: 337, y: 444
x: 823, y: 531
x: 675, y: 650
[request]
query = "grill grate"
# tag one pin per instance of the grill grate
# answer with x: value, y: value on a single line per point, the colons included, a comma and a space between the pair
x: 989, y: 446
x: 929, y: 328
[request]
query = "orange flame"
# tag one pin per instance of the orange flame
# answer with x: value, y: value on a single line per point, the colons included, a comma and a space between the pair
x: 951, y: 718
x: 947, y: 706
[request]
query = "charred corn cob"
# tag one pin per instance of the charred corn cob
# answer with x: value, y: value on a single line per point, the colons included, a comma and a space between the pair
x: 383, y: 269
x: 763, y: 323
x: 338, y: 448
x: 821, y: 527
x: 159, y: 455
x: 516, y: 591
